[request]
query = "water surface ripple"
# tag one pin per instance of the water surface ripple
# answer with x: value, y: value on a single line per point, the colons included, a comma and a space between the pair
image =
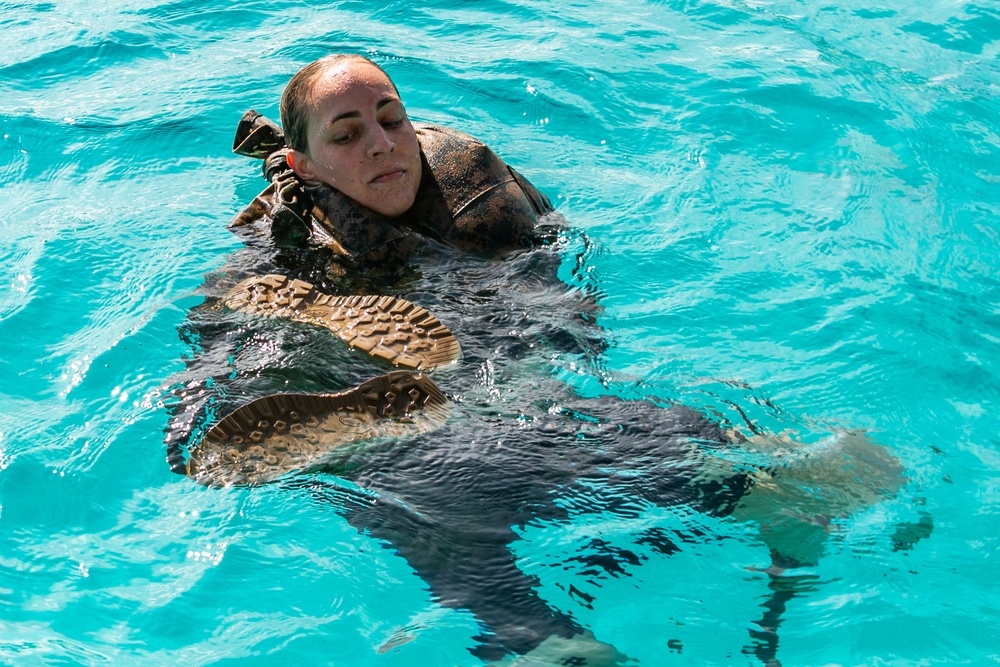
x: 783, y: 207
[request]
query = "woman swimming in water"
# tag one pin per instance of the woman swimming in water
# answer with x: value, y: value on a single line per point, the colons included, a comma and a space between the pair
x: 361, y: 200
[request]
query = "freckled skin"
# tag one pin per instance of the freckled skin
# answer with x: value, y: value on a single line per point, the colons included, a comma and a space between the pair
x: 360, y: 140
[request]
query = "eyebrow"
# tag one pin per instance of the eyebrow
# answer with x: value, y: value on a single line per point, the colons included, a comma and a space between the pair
x: 357, y: 114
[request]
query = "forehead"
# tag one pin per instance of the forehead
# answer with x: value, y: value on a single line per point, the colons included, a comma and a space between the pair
x: 350, y: 83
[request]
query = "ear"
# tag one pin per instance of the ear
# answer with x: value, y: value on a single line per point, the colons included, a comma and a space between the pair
x: 301, y: 165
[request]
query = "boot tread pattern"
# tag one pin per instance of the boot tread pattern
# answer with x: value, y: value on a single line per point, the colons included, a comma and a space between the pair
x: 277, y: 434
x: 394, y: 330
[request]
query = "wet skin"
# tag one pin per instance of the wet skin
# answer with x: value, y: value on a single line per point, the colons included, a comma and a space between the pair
x: 360, y: 140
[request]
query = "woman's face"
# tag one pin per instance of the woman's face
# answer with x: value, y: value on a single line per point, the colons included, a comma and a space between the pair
x: 360, y: 140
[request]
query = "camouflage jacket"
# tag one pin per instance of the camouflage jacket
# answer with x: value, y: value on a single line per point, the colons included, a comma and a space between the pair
x: 468, y: 198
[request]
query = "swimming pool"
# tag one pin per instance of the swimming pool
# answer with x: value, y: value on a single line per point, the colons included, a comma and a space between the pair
x: 791, y: 208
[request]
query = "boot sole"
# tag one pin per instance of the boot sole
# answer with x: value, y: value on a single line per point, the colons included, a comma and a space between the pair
x: 277, y: 434
x: 391, y: 329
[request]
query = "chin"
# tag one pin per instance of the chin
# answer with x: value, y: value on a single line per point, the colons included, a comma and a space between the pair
x: 393, y: 207
x: 395, y: 212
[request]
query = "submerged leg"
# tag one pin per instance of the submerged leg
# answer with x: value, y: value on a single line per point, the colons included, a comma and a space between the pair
x: 795, y: 503
x: 449, y: 504
x: 792, y: 491
x: 782, y: 589
x: 470, y: 567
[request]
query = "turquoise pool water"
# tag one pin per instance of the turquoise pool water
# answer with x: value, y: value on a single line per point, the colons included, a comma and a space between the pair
x: 792, y: 208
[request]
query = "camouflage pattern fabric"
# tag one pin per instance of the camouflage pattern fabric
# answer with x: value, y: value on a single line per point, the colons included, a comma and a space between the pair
x: 468, y: 198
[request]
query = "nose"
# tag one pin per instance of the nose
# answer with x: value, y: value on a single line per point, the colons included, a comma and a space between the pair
x: 379, y: 143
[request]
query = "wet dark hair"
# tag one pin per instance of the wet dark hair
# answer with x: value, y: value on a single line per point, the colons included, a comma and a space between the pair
x: 296, y: 99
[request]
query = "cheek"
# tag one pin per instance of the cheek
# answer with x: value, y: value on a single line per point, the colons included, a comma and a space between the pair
x: 414, y: 145
x: 413, y: 153
x: 341, y: 167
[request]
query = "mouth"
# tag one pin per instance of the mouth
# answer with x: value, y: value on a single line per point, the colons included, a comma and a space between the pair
x: 389, y: 176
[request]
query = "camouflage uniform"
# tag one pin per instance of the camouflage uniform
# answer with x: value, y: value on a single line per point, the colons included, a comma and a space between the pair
x: 468, y: 198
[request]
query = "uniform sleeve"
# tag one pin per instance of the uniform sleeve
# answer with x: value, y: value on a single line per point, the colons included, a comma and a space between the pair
x: 539, y: 202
